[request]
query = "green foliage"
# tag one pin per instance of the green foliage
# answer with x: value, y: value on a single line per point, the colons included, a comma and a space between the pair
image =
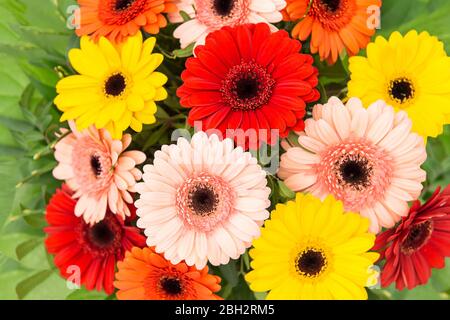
x: 34, y: 41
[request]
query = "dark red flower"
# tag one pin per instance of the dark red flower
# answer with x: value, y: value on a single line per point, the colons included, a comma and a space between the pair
x: 419, y: 243
x: 93, y: 250
x: 246, y: 77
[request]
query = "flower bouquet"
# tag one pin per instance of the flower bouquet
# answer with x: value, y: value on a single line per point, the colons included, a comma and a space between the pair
x: 224, y: 149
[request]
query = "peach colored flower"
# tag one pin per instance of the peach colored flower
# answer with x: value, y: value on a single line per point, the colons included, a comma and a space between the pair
x: 210, y: 15
x: 367, y: 158
x: 98, y: 170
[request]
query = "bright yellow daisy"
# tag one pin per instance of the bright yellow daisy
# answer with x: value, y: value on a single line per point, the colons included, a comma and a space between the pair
x: 311, y: 249
x: 116, y: 87
x: 411, y: 73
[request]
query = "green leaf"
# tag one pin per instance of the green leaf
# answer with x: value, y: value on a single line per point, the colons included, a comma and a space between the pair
x: 183, y: 53
x: 26, y: 247
x: 83, y: 294
x: 27, y: 285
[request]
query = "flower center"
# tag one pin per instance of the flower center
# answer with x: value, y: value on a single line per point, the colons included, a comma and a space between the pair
x: 101, y: 234
x: 401, y: 90
x: 333, y: 14
x: 223, y: 7
x: 417, y: 237
x: 115, y: 85
x: 96, y: 165
x: 311, y: 262
x: 104, y: 237
x: 171, y: 285
x: 248, y: 86
x: 123, y: 4
x: 355, y: 171
x: 204, y: 200
x: 332, y: 5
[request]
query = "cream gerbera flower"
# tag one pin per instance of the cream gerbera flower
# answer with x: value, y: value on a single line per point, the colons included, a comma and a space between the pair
x: 210, y: 15
x: 202, y: 201
x: 116, y: 88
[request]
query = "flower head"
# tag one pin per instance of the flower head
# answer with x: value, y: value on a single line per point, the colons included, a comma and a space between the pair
x: 117, y: 86
x: 311, y: 249
x: 119, y: 19
x: 146, y: 275
x: 367, y: 158
x: 98, y: 170
x: 249, y: 78
x: 202, y: 200
x: 334, y: 25
x: 409, y: 72
x: 419, y: 243
x: 94, y: 249
x: 211, y: 15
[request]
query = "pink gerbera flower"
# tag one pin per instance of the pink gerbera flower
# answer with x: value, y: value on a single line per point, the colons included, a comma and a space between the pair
x: 98, y: 170
x: 211, y: 15
x: 367, y: 158
x: 203, y: 200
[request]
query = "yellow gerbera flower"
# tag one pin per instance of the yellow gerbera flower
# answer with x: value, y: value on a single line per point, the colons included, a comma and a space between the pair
x: 117, y: 85
x: 311, y: 249
x: 411, y: 73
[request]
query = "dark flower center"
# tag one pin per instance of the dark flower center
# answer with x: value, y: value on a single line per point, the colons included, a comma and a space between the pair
x: 355, y: 171
x: 203, y: 200
x: 332, y: 5
x: 417, y: 237
x: 121, y: 5
x: 101, y: 234
x: 223, y: 7
x: 103, y: 238
x: 248, y: 86
x: 311, y: 263
x: 401, y: 90
x: 171, y: 285
x: 115, y: 85
x: 96, y: 165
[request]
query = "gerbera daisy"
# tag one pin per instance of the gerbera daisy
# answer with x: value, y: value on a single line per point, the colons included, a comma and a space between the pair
x: 311, y: 249
x: 118, y: 19
x: 117, y: 86
x: 146, y: 275
x: 419, y: 243
x: 202, y: 200
x: 94, y: 250
x: 367, y: 158
x: 249, y: 78
x: 334, y: 25
x: 98, y: 170
x: 211, y: 15
x: 411, y: 73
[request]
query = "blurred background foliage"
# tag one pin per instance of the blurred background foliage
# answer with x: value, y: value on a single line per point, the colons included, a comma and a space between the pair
x: 34, y: 40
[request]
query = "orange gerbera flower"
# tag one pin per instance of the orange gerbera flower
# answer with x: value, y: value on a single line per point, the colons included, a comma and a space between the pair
x: 146, y: 275
x: 334, y: 24
x: 118, y: 19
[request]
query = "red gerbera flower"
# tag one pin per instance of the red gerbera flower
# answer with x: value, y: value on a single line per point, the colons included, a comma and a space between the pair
x: 94, y: 250
x: 420, y: 242
x: 246, y: 77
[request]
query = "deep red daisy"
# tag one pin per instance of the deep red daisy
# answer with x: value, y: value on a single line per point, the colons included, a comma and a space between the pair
x: 93, y: 249
x: 246, y: 77
x: 419, y: 243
